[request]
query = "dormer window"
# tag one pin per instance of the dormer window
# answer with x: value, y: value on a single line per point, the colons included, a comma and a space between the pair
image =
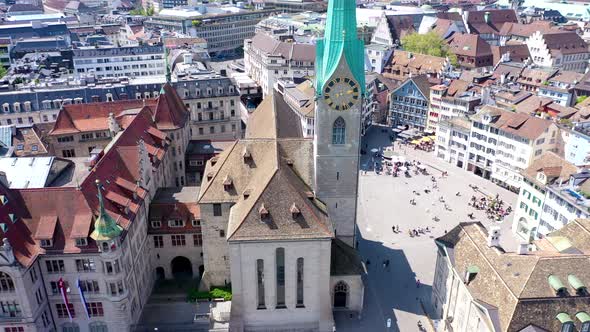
x: 247, y: 193
x: 46, y: 243
x: 289, y: 161
x: 156, y: 224
x: 246, y: 155
x: 227, y: 183
x: 209, y: 176
x: 176, y: 223
x: 107, y: 246
x: 213, y: 161
x: 263, y: 211
x: 295, y: 212
x: 196, y: 222
x: 471, y: 273
x: 81, y: 242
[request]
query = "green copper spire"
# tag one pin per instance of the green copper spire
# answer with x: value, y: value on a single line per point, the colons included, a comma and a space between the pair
x: 105, y: 227
x: 340, y: 39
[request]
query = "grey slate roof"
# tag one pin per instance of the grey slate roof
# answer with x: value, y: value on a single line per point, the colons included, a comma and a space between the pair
x: 517, y: 284
x: 345, y: 260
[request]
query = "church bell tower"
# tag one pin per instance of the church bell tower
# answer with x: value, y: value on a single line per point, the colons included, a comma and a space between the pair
x: 340, y: 88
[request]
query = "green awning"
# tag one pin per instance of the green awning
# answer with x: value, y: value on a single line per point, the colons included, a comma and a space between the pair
x: 473, y: 269
x: 575, y: 282
x: 583, y: 316
x: 555, y: 283
x: 563, y: 318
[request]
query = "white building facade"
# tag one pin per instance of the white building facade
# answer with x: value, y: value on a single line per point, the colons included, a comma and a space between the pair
x: 129, y: 61
x: 563, y: 50
x: 266, y: 60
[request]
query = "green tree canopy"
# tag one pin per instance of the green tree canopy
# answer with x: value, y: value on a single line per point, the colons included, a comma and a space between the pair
x: 142, y: 11
x: 429, y: 44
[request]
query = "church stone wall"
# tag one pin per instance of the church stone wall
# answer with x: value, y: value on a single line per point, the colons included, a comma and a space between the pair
x: 356, y: 291
x: 316, y: 313
x: 215, y: 248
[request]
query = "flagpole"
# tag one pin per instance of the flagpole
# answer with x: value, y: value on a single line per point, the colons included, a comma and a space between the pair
x: 82, y: 298
x: 62, y: 288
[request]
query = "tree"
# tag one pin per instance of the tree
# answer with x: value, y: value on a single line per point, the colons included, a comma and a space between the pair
x: 580, y: 99
x: 142, y: 11
x: 3, y: 71
x: 429, y: 44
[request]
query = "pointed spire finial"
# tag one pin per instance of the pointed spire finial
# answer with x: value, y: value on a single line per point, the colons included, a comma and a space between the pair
x: 105, y: 227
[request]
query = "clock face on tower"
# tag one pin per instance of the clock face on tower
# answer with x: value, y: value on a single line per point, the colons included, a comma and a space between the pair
x: 341, y: 93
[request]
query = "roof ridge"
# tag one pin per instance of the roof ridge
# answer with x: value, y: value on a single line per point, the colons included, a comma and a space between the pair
x: 528, y: 278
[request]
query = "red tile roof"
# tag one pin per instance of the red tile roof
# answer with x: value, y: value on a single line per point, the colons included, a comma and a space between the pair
x: 168, y: 112
x: 69, y: 211
x: 76, y: 118
x: 496, y: 18
x: 46, y: 227
x: 469, y: 45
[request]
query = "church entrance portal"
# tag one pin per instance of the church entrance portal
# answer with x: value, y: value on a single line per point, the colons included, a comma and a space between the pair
x: 182, y: 268
x: 340, y: 295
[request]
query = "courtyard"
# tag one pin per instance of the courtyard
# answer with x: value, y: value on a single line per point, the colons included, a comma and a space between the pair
x: 392, y: 292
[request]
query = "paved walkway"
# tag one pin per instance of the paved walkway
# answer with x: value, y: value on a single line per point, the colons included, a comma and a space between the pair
x: 383, y: 202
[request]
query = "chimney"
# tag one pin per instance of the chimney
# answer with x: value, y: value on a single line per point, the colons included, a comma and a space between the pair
x: 113, y: 125
x: 494, y: 237
x: 523, y: 248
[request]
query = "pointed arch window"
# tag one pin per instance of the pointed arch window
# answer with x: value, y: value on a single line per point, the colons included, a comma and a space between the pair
x: 280, y: 270
x: 338, y: 131
x: 6, y: 283
x: 260, y: 283
x: 300, y: 282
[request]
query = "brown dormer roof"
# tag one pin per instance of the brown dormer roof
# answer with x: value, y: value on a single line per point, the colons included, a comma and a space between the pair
x: 565, y: 43
x: 170, y: 112
x: 294, y: 209
x: 469, y: 45
x: 262, y: 210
